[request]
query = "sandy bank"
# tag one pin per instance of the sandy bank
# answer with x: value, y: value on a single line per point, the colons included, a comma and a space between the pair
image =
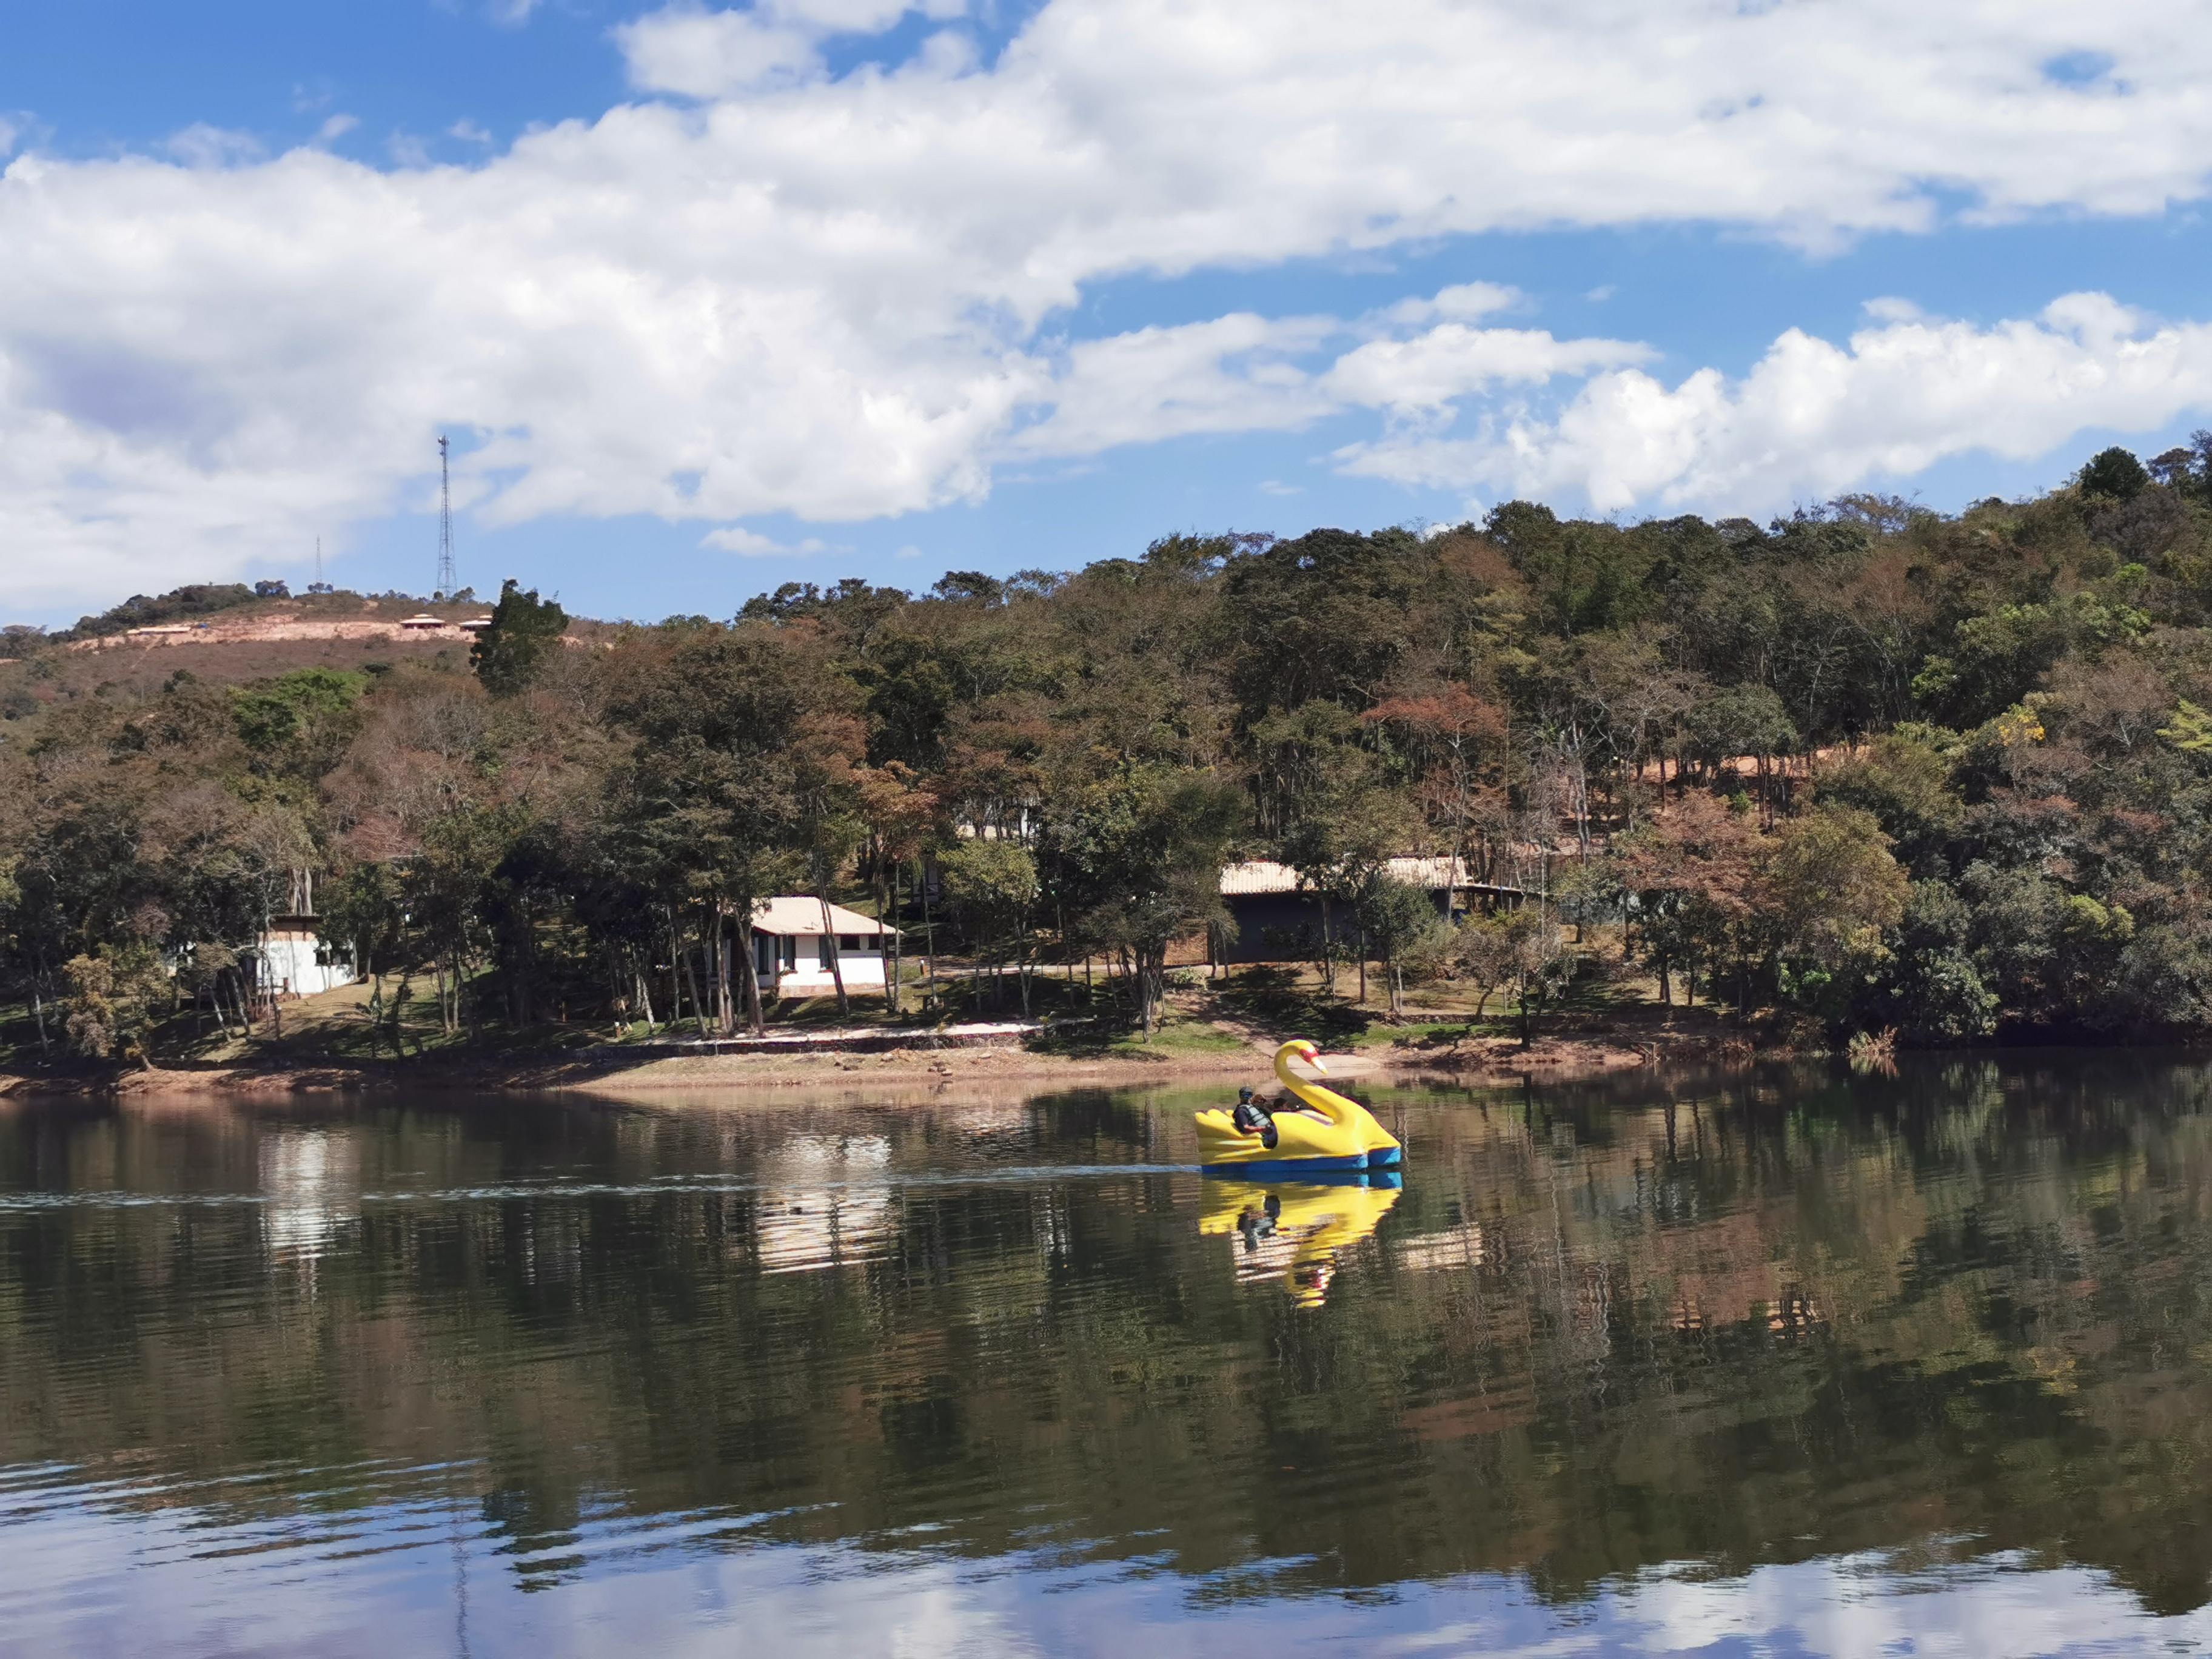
x: 610, y: 1072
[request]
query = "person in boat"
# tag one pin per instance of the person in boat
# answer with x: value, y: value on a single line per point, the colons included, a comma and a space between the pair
x: 1251, y: 1118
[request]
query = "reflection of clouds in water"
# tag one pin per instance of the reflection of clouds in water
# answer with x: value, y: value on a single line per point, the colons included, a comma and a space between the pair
x: 111, y: 1580
x: 827, y: 1203
x: 311, y: 1179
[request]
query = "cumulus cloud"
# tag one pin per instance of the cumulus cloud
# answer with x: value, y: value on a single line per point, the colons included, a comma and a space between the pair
x: 1447, y: 362
x: 702, y: 54
x: 836, y: 296
x: 698, y: 54
x: 736, y: 538
x: 1813, y: 418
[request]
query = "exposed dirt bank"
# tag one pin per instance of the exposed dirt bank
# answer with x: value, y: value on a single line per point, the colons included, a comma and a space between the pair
x: 611, y: 1072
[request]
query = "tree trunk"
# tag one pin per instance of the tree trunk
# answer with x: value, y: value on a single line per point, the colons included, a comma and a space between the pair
x: 691, y: 980
x: 38, y: 1013
x: 891, y: 915
x: 749, y: 966
x: 836, y: 961
x: 1328, y: 955
x: 675, y: 983
x: 928, y: 935
x: 718, y: 962
x: 730, y: 998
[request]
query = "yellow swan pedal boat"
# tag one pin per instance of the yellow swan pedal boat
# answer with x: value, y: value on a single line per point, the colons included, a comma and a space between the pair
x: 1329, y: 1133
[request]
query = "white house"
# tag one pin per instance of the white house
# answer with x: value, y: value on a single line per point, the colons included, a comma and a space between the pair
x: 791, y: 948
x: 294, y: 960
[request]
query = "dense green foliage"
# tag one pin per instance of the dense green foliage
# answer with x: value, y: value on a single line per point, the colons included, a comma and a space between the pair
x: 1869, y: 764
x: 507, y: 655
x: 143, y: 610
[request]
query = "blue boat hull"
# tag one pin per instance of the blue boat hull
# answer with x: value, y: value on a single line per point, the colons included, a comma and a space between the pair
x: 1298, y: 1168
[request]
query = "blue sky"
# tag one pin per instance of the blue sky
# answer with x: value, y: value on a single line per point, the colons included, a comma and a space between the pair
x: 715, y: 298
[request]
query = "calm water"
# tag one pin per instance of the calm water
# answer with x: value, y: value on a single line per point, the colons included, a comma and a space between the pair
x: 1786, y: 1365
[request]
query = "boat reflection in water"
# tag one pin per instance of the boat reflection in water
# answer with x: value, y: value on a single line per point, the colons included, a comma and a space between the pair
x: 1294, y: 1230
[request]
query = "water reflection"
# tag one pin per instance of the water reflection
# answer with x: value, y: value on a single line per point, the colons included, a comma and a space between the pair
x: 311, y: 1179
x: 1787, y: 1361
x: 1295, y: 1233
x: 827, y: 1203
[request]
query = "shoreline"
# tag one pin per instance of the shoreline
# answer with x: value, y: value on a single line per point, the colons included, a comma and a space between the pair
x: 1560, y: 1056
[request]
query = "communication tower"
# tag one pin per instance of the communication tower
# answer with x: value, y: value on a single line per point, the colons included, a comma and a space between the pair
x: 448, y: 584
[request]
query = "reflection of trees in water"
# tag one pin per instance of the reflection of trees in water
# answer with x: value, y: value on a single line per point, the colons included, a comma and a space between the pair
x: 1768, y: 1317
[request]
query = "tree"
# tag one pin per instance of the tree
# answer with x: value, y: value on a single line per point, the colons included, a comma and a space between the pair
x: 1832, y: 894
x: 114, y: 998
x: 1399, y: 919
x: 507, y: 655
x: 1482, y: 948
x: 1536, y: 963
x: 1692, y: 870
x: 994, y: 883
x: 1904, y: 778
x: 1143, y: 849
x: 2114, y: 474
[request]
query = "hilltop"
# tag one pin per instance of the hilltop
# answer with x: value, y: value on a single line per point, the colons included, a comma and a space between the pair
x: 229, y: 635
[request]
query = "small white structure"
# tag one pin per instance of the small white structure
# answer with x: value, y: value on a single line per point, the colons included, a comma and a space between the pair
x: 424, y: 623
x: 293, y: 960
x: 791, y: 948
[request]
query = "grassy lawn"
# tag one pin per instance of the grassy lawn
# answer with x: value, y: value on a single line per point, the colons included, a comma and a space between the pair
x: 1179, y: 1038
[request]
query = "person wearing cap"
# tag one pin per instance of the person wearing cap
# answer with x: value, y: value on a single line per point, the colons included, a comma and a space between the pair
x: 1252, y: 1118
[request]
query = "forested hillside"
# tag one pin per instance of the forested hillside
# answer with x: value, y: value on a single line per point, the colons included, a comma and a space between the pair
x: 1869, y: 766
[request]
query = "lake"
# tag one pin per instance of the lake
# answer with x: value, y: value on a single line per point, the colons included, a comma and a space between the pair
x: 1783, y: 1362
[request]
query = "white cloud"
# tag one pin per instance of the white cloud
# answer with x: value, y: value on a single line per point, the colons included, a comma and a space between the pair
x: 201, y: 145
x: 1812, y: 418
x: 832, y: 296
x: 736, y: 538
x: 695, y: 52
x: 703, y: 54
x: 335, y: 128
x: 1232, y: 374
x: 469, y: 132
x: 1450, y: 361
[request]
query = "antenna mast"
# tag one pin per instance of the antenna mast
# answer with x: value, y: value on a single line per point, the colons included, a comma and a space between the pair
x: 448, y: 584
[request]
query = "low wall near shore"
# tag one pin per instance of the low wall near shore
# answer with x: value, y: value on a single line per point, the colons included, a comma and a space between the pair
x: 863, y: 1040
